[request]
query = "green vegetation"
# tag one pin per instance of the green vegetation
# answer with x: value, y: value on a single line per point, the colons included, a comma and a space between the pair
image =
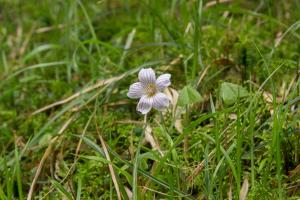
x: 69, y: 131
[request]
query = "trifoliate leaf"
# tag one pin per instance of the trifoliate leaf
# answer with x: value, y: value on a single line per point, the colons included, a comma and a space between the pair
x: 230, y: 92
x: 189, y: 95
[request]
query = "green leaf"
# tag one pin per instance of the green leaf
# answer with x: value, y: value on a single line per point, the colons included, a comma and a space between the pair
x: 61, y: 189
x: 230, y: 92
x: 189, y: 95
x: 2, y: 195
x: 40, y: 49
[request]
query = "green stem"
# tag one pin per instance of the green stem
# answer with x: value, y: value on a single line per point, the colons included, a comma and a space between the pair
x: 137, y: 163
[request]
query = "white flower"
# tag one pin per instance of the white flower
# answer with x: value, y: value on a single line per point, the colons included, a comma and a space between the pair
x: 150, y: 91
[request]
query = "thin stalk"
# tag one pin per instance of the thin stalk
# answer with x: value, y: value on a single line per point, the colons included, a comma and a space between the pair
x: 174, y: 154
x: 197, y: 21
x: 186, y: 137
x: 137, y: 163
x: 251, y: 130
x: 18, y: 173
x: 79, y: 188
x: 174, y: 157
x: 216, y: 129
x: 298, y: 93
x: 217, y: 141
x: 239, y: 150
x: 196, y: 42
x: 207, y: 186
x: 278, y: 151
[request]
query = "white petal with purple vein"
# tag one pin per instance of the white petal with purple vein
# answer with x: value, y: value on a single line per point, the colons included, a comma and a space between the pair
x: 147, y: 76
x: 160, y: 101
x: 135, y: 90
x: 145, y: 104
x: 163, y: 81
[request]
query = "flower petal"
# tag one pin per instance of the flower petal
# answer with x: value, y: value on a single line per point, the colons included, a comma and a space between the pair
x: 160, y: 101
x: 136, y: 90
x: 147, y: 76
x: 145, y: 104
x: 163, y: 81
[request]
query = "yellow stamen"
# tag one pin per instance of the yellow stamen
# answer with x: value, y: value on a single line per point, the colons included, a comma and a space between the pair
x: 150, y: 90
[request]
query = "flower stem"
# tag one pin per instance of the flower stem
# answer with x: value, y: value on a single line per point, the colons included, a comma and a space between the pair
x: 137, y: 163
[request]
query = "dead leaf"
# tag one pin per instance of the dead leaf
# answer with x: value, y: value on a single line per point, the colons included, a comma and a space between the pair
x: 150, y: 139
x: 232, y: 116
x: 244, y: 189
x: 230, y: 193
x: 176, y: 111
x: 223, y: 61
x: 173, y: 97
x: 268, y: 98
x: 178, y: 125
x: 278, y: 38
x: 294, y: 172
x: 128, y: 192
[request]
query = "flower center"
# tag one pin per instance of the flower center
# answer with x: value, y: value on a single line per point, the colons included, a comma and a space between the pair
x: 150, y: 89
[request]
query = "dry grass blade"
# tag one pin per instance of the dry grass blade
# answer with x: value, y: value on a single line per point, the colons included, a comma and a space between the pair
x: 287, y: 92
x: 244, y: 189
x: 49, y: 28
x: 78, y: 94
x: 203, y: 75
x: 229, y: 193
x: 199, y: 168
x: 128, y: 192
x: 172, y: 63
x: 213, y: 3
x: 45, y: 156
x: 111, y: 169
x: 83, y: 134
x: 39, y: 169
x: 128, y: 44
x: 294, y: 172
x: 26, y: 42
x: 159, y: 192
x: 196, y: 171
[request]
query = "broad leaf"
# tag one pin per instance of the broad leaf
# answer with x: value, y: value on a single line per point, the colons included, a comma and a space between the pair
x: 230, y: 92
x: 189, y: 95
